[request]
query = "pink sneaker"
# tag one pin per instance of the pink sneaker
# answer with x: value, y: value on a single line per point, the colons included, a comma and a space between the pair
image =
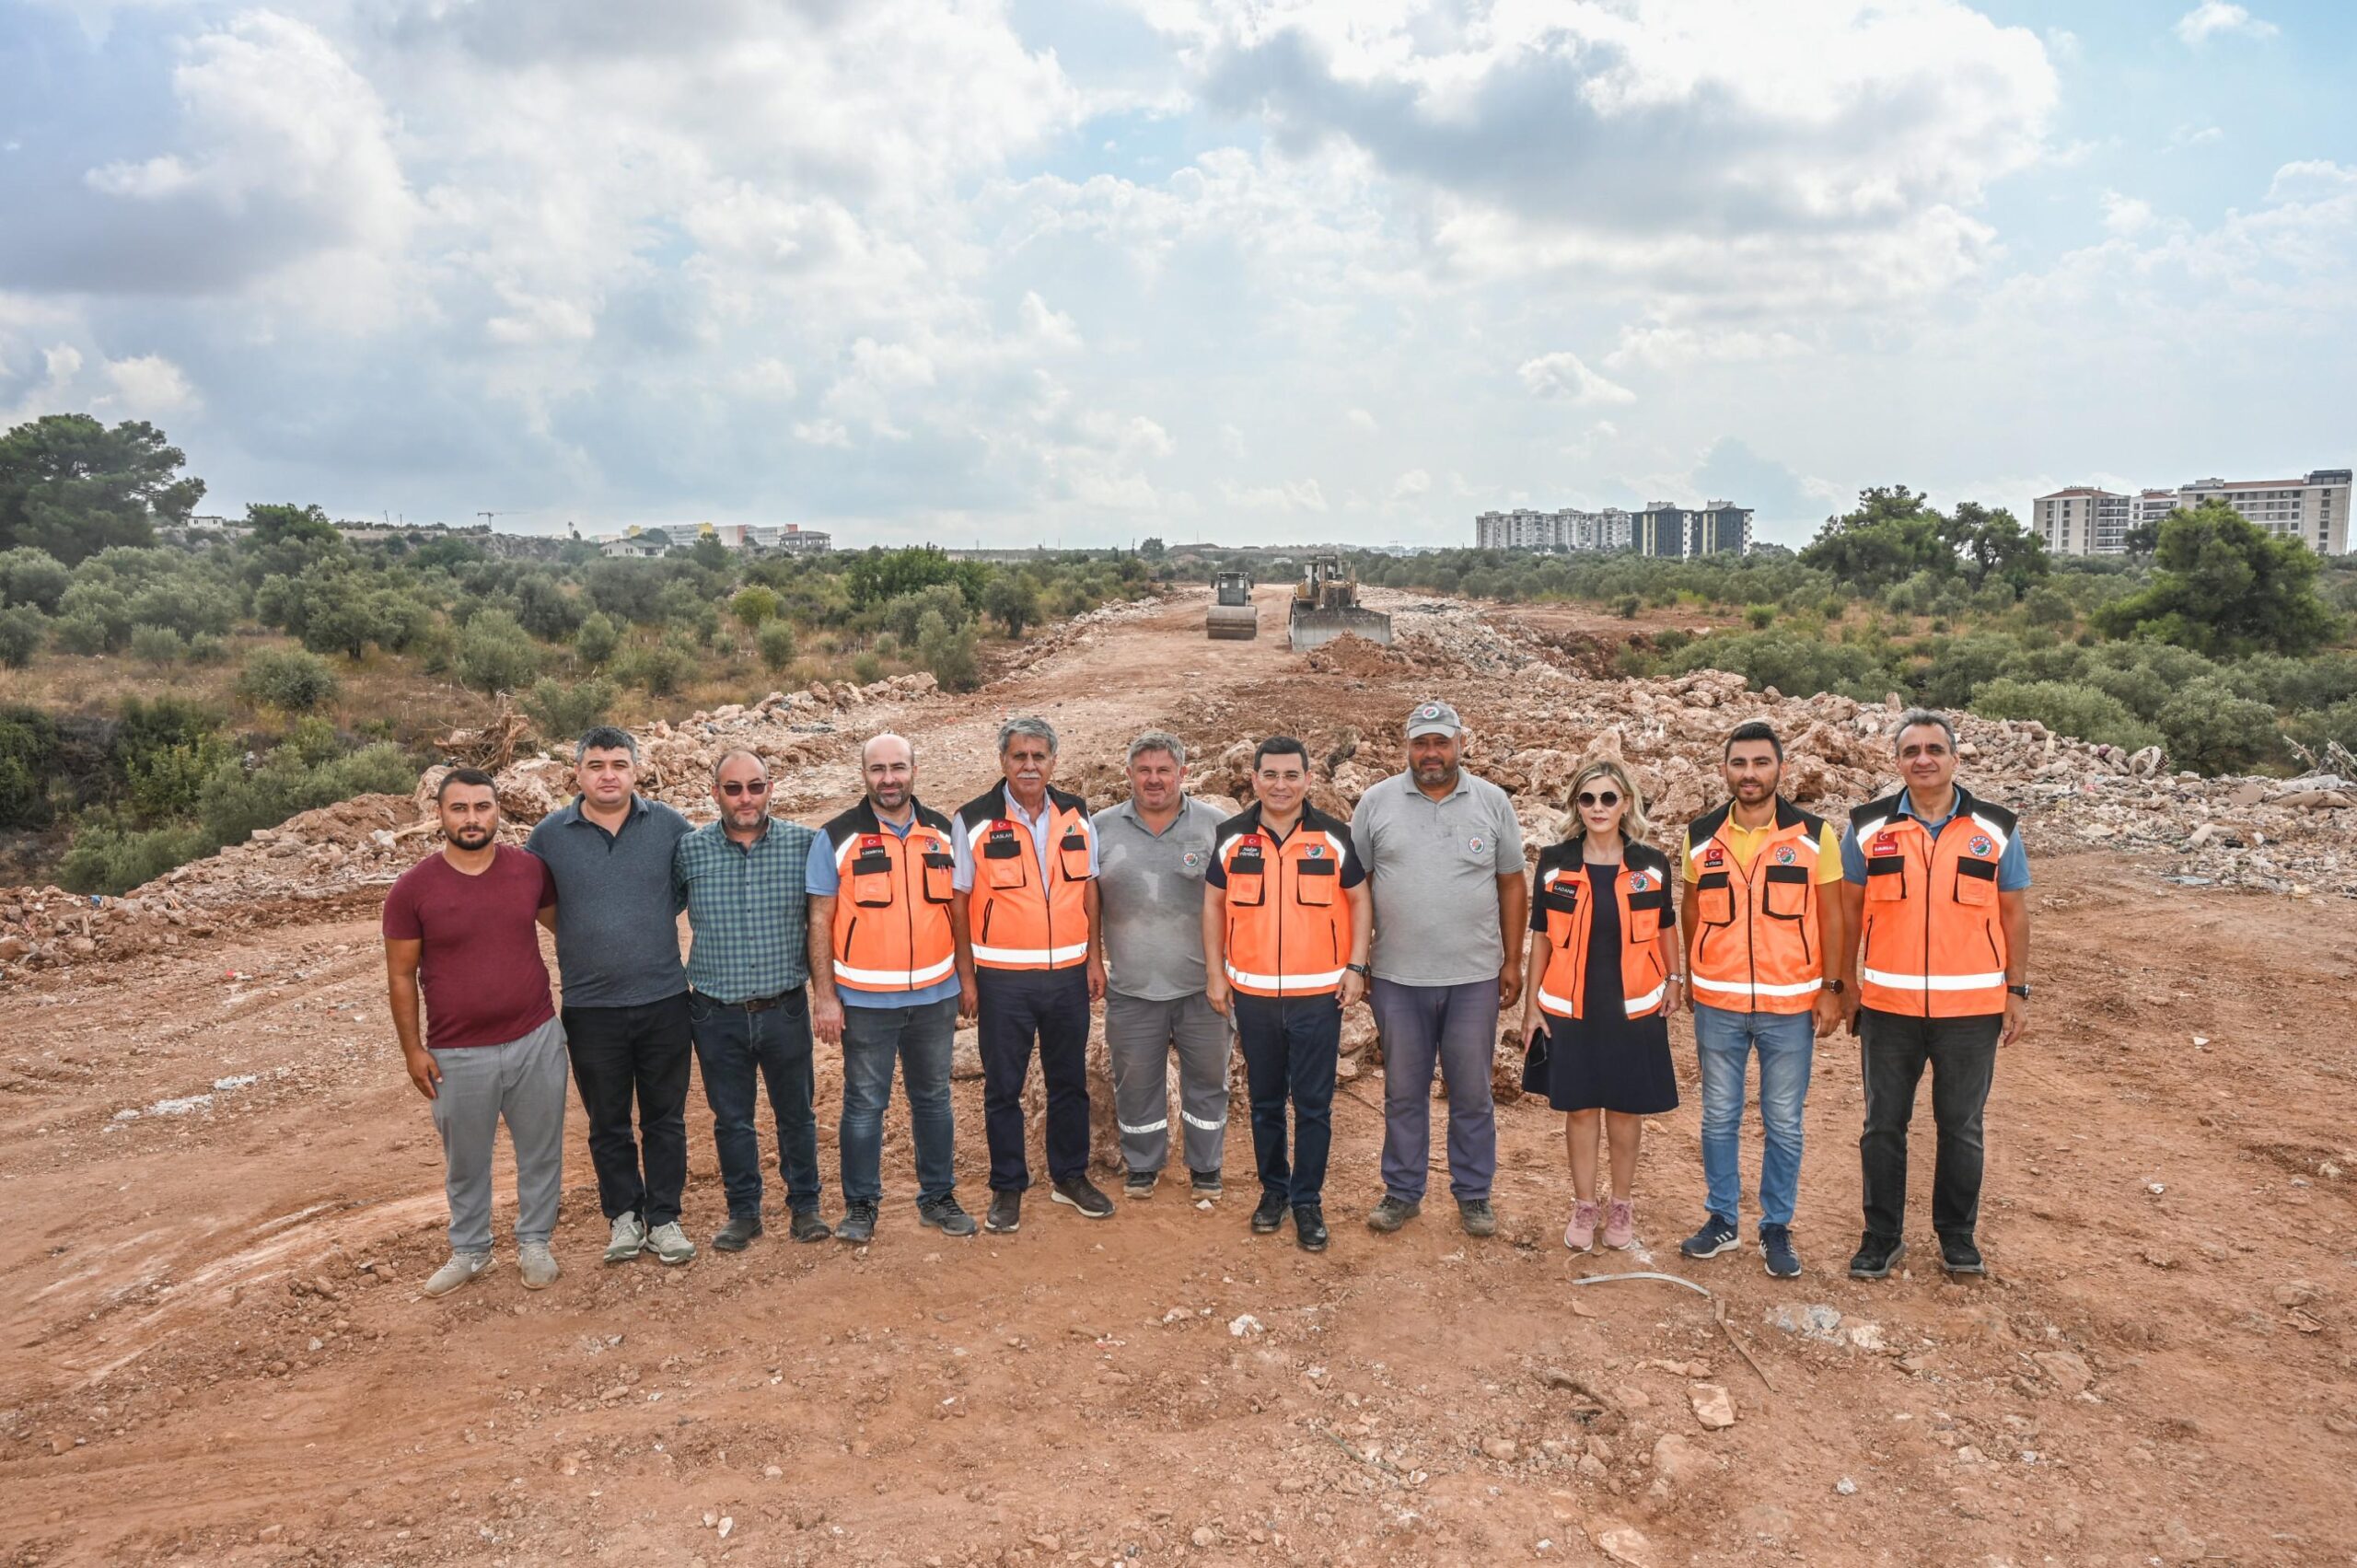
x: 1620, y: 1227
x: 1580, y: 1235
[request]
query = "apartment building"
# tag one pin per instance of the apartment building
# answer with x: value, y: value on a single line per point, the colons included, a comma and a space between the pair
x: 1570, y: 529
x: 2084, y: 520
x: 1717, y: 527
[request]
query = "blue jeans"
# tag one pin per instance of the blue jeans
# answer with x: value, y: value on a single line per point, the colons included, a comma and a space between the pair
x: 921, y: 1039
x: 739, y: 1050
x: 1724, y: 1040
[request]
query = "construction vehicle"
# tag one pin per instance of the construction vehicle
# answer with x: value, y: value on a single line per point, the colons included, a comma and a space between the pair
x: 1326, y: 606
x: 1232, y: 616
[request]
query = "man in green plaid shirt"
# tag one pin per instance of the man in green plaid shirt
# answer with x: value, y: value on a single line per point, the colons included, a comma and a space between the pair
x: 748, y: 906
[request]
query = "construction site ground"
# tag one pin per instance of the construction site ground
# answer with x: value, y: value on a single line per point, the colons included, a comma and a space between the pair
x: 215, y: 1349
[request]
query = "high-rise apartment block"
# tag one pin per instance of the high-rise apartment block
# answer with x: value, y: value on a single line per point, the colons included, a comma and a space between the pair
x: 1570, y: 529
x: 1659, y: 529
x: 2083, y: 520
x: 1718, y: 527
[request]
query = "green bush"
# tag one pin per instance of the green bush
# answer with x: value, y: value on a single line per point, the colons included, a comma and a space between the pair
x: 495, y: 654
x: 22, y: 628
x: 660, y: 668
x: 776, y: 642
x: 1796, y: 665
x: 32, y: 577
x: 867, y: 669
x: 157, y: 644
x: 28, y: 746
x: 949, y: 654
x: 84, y: 633
x: 236, y: 801
x: 207, y: 649
x: 901, y: 615
x: 2066, y: 708
x: 2211, y: 728
x: 1627, y: 606
x: 594, y: 642
x: 108, y: 856
x: 562, y: 712
x: 290, y: 679
x: 753, y: 605
x: 1760, y: 616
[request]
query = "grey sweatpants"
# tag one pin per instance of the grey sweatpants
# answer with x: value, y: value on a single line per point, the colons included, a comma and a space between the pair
x: 1454, y: 1025
x: 524, y: 1082
x: 1139, y: 1036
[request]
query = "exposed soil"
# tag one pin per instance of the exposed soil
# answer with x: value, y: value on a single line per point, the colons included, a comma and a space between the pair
x: 216, y: 1351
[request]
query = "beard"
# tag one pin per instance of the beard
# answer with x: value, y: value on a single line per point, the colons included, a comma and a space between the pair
x: 470, y: 838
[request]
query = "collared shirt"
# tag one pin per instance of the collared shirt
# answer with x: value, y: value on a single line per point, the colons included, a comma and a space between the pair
x: 1746, y: 843
x: 826, y: 882
x: 963, y: 879
x: 616, y: 919
x: 1435, y: 865
x: 2013, y: 861
x: 1151, y: 891
x: 748, y: 906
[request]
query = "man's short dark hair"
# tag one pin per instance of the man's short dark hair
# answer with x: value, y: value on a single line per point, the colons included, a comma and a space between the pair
x: 1280, y: 746
x: 464, y: 776
x: 605, y: 738
x: 1757, y: 729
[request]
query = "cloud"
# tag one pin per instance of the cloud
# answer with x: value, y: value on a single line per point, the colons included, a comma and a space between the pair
x: 1411, y: 486
x: 1561, y: 375
x: 2190, y: 136
x: 2126, y: 214
x: 148, y: 387
x: 1362, y: 420
x: 1660, y: 347
x: 1290, y: 495
x: 2214, y: 17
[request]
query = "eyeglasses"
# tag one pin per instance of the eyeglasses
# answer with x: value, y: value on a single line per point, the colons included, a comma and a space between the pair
x: 1590, y: 797
x: 756, y: 787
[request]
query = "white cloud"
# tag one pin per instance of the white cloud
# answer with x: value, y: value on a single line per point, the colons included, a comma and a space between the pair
x: 1410, y: 485
x: 1362, y: 420
x: 1672, y: 348
x: 2213, y: 17
x: 2126, y: 214
x: 1292, y: 495
x: 147, y: 387
x: 2190, y: 136
x: 1561, y: 375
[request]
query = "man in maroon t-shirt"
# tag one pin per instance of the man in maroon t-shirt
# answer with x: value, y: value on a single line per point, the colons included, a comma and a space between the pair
x: 462, y: 924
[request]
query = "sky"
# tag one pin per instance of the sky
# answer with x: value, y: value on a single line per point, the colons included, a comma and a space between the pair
x: 1084, y: 272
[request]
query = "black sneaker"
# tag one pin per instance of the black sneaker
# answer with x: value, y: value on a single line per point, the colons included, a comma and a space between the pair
x: 808, y: 1227
x: 1006, y: 1217
x: 1478, y: 1218
x: 1876, y: 1256
x: 738, y: 1233
x: 1960, y: 1255
x: 1269, y: 1217
x: 858, y: 1227
x: 1203, y: 1184
x: 944, y: 1214
x: 1140, y: 1185
x: 1078, y: 1192
x: 1309, y: 1228
x: 1715, y: 1236
x: 1776, y: 1247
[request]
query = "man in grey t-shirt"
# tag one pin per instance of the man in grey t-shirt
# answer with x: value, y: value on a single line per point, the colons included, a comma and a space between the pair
x: 1152, y: 850
x: 1443, y: 852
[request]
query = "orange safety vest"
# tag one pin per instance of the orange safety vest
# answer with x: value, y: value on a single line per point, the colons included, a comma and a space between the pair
x: 1288, y: 919
x: 1755, y: 936
x: 891, y: 929
x: 1641, y: 887
x: 1934, y: 945
x: 1013, y: 922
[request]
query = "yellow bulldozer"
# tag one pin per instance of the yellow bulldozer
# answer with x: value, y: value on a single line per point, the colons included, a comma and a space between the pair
x: 1326, y: 606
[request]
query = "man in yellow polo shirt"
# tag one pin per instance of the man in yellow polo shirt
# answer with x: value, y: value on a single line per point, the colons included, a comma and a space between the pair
x: 1758, y: 925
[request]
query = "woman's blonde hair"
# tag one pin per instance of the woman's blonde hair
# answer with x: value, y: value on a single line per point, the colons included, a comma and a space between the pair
x: 1633, y: 824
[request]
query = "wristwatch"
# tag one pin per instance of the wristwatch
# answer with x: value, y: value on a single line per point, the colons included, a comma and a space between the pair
x: 2020, y: 991
x: 1362, y: 971
x: 1837, y: 986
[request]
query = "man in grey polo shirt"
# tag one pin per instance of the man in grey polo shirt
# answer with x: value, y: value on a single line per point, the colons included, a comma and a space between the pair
x: 1153, y: 849
x: 1443, y: 852
x: 625, y: 994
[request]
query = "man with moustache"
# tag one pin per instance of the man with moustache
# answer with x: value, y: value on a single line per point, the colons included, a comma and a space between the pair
x: 742, y: 879
x: 884, y: 983
x: 462, y: 925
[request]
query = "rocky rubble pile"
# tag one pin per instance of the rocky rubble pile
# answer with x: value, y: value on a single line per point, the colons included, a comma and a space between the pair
x: 43, y: 927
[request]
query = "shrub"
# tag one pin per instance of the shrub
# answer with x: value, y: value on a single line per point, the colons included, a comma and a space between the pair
x: 867, y: 669
x: 753, y: 605
x: 1627, y: 606
x: 21, y: 630
x: 562, y: 712
x: 2066, y: 708
x: 108, y: 856
x: 594, y: 642
x: 776, y: 642
x: 1012, y: 596
x: 32, y: 577
x: 186, y: 606
x: 157, y: 644
x: 206, y: 649
x: 84, y: 633
x: 903, y: 614
x: 28, y: 744
x: 1797, y: 666
x: 661, y: 667
x: 949, y: 654
x: 1760, y: 616
x: 495, y: 654
x: 236, y: 801
x: 289, y: 680
x: 2210, y: 728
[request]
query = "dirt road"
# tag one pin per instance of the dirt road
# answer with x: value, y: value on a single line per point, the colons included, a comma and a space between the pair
x: 214, y: 1349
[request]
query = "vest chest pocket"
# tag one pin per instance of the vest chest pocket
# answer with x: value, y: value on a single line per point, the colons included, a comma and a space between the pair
x: 940, y: 873
x: 1071, y: 852
x: 1646, y: 911
x: 1975, y: 882
x: 871, y: 879
x: 1003, y: 858
x: 1714, y: 898
x: 1247, y: 879
x: 1562, y: 905
x: 1313, y: 882
x: 1886, y: 879
x: 1786, y: 894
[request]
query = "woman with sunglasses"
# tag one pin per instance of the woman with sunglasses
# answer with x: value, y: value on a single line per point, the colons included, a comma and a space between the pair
x: 1598, y: 986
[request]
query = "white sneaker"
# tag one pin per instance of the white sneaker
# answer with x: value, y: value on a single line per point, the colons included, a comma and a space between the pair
x: 669, y: 1243
x: 536, y: 1264
x: 462, y: 1267
x: 629, y: 1238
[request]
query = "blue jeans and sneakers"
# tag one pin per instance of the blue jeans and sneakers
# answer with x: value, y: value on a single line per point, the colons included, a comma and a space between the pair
x: 920, y: 1039
x: 1724, y: 1041
x: 741, y: 1046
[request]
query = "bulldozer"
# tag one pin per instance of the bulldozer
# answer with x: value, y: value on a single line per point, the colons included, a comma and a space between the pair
x: 1326, y: 606
x: 1232, y: 616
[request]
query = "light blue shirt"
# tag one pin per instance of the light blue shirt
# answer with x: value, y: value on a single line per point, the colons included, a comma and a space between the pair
x: 826, y: 883
x: 2013, y: 861
x: 963, y: 879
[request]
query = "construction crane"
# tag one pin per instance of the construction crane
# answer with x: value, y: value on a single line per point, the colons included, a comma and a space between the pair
x: 486, y: 516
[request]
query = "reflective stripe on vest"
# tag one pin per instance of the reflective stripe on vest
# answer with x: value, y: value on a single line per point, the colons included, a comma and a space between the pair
x: 1012, y: 922
x: 1643, y: 893
x: 1289, y: 917
x: 891, y: 928
x: 1755, y: 928
x: 1933, y: 943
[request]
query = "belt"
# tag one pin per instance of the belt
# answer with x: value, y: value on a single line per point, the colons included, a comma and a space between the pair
x: 760, y: 1004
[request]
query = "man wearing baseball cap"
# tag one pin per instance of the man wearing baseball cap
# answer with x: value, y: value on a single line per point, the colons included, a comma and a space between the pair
x: 1444, y: 855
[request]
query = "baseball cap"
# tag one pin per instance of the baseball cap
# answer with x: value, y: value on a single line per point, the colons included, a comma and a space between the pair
x: 1432, y: 718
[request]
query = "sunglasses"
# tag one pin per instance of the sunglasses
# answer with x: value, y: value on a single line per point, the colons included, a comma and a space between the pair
x: 1590, y: 797
x: 757, y: 787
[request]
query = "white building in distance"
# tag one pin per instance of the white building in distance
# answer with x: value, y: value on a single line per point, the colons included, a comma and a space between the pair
x: 2083, y: 520
x: 1569, y: 529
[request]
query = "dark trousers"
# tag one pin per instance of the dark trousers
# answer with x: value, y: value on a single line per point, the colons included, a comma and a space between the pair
x: 1290, y: 1047
x: 1019, y: 1008
x: 641, y: 1053
x: 739, y: 1051
x: 1962, y: 1055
